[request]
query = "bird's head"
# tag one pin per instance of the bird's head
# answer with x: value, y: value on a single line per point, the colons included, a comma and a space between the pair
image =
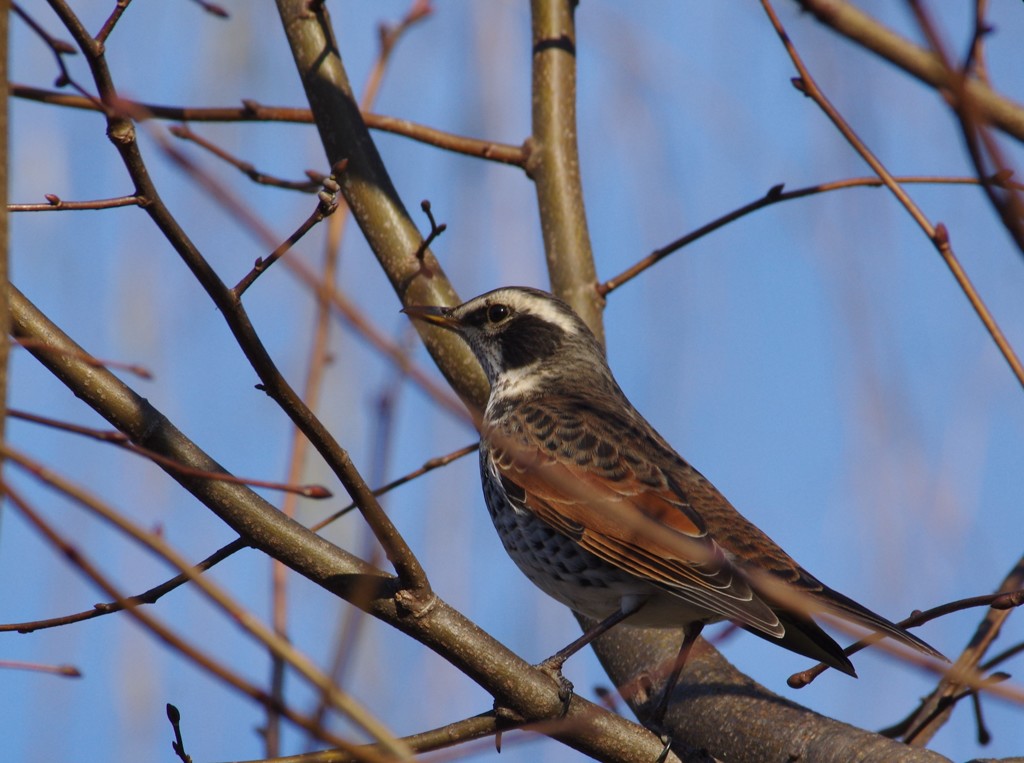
x: 517, y: 330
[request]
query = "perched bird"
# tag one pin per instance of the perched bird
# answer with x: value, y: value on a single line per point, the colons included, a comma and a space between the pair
x: 599, y: 511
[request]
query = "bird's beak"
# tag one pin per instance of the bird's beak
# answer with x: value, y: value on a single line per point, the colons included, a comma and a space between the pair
x: 439, y: 316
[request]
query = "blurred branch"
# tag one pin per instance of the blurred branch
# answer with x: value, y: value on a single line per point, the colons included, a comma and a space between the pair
x: 5, y: 158
x: 936, y: 708
x: 309, y: 185
x: 851, y: 22
x: 460, y: 732
x: 154, y: 594
x: 554, y: 161
x: 318, y: 361
x: 164, y: 633
x: 132, y: 368
x: 246, y: 621
x: 121, y: 440
x: 121, y: 132
x: 984, y: 152
x: 64, y: 671
x: 937, y: 234
x: 514, y: 683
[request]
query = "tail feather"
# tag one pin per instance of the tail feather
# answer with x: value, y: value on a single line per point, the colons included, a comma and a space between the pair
x: 846, y: 608
x: 806, y: 637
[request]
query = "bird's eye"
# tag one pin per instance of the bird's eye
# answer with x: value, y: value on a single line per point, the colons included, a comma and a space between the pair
x: 497, y: 313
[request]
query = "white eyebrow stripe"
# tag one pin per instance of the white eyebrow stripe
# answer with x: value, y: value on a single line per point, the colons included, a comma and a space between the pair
x: 543, y: 309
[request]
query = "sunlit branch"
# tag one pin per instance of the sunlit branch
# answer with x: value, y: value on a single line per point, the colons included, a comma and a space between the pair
x: 209, y: 664
x: 121, y: 440
x: 937, y: 233
x: 253, y: 111
x: 248, y: 622
x: 154, y: 594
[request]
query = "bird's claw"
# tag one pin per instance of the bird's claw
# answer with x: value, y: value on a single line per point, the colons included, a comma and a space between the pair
x: 553, y: 667
x: 666, y: 739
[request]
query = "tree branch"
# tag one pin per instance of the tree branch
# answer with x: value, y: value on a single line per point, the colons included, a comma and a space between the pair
x: 529, y: 692
x: 554, y: 162
x: 851, y: 22
x: 370, y: 194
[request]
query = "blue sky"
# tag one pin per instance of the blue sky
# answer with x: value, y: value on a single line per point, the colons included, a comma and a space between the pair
x: 816, y: 360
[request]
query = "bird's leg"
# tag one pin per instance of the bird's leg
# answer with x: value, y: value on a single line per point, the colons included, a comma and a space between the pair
x: 553, y: 664
x: 690, y: 635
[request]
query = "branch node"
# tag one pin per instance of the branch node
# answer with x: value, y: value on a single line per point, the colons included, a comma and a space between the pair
x: 1009, y: 600
x: 414, y: 602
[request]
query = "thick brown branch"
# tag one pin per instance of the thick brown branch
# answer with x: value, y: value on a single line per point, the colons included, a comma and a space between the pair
x: 121, y: 131
x: 851, y: 22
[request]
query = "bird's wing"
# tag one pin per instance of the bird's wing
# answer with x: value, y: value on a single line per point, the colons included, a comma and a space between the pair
x: 606, y: 479
x: 621, y: 509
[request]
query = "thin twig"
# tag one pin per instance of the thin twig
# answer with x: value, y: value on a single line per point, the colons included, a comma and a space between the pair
x: 428, y: 466
x: 178, y: 745
x: 147, y: 597
x: 133, y: 368
x: 435, y: 230
x: 937, y: 234
x: 254, y: 111
x: 121, y: 440
x: 65, y: 671
x: 248, y: 622
x: 327, y: 204
x: 774, y: 195
x: 999, y: 600
x: 210, y: 665
x: 56, y: 204
x: 115, y: 15
x: 309, y: 185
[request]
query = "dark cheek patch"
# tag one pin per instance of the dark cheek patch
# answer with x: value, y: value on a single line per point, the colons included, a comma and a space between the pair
x: 527, y: 339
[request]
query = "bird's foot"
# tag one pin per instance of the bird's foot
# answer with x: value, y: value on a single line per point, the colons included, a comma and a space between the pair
x: 553, y: 667
x: 666, y: 739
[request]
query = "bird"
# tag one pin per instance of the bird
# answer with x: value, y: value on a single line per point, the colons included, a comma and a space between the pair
x: 598, y: 510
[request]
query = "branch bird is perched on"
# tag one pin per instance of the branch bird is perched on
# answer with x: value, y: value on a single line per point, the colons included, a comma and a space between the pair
x: 599, y: 511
